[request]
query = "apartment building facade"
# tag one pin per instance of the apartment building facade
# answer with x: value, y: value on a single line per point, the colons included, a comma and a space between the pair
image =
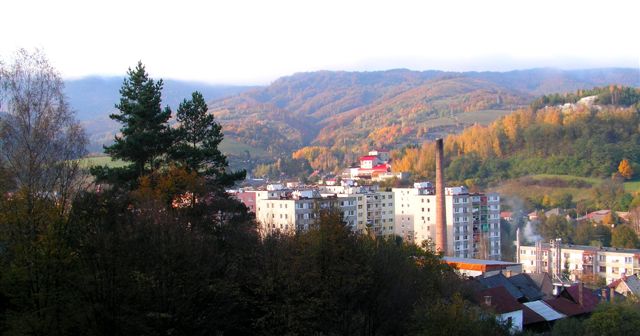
x: 472, y: 219
x: 288, y: 211
x: 374, y: 208
x: 577, y: 261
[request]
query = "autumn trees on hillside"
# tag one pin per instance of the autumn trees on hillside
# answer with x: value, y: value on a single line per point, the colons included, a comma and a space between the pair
x: 581, y: 141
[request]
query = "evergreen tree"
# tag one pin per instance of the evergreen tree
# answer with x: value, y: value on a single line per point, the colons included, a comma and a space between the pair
x: 145, y: 135
x: 196, y: 143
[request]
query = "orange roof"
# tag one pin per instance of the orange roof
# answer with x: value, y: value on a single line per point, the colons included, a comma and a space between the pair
x: 478, y: 266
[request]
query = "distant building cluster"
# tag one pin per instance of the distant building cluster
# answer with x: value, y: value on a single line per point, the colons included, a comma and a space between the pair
x: 472, y: 219
x: 375, y: 166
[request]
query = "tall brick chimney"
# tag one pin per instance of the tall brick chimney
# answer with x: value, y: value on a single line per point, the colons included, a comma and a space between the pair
x: 441, y: 218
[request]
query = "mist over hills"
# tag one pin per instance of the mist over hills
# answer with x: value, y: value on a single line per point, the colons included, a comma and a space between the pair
x: 349, y: 111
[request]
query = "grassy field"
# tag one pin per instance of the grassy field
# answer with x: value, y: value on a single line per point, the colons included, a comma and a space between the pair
x: 228, y: 147
x: 515, y: 188
x: 483, y: 117
x: 232, y: 147
x: 632, y: 186
x: 591, y: 180
x: 92, y: 161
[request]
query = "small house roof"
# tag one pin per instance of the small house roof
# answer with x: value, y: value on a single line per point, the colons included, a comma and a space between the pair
x: 543, y: 309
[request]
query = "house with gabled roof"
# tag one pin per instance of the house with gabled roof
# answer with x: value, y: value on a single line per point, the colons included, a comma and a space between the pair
x: 505, y: 306
x: 627, y: 286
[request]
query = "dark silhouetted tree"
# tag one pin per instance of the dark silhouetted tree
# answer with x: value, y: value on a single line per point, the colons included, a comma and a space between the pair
x: 196, y: 142
x: 145, y: 135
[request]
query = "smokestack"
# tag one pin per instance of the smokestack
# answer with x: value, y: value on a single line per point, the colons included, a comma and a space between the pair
x: 518, y: 245
x: 441, y: 218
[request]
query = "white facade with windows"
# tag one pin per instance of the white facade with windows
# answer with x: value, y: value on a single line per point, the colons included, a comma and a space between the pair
x: 577, y: 261
x: 290, y: 211
x: 374, y: 208
x: 415, y: 219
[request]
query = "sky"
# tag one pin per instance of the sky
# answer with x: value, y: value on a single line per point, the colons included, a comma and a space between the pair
x: 257, y: 41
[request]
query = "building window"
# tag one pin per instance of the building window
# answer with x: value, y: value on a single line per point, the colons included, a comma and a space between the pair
x: 628, y: 260
x: 602, y: 269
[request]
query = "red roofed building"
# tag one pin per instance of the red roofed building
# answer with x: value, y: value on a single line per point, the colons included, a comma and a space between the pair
x: 505, y: 306
x: 506, y: 215
x: 369, y: 161
x: 627, y: 285
x: 377, y: 164
x: 573, y: 302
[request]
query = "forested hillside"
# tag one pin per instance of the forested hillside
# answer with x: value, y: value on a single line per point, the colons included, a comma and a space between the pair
x: 576, y: 139
x: 351, y: 112
x: 348, y: 112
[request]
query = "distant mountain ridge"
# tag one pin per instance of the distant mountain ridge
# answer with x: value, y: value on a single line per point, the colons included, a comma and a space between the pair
x: 355, y: 110
x: 349, y: 111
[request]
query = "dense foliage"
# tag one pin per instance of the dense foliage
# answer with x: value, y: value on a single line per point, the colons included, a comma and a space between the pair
x: 578, y: 140
x: 123, y: 264
x: 611, y: 95
x: 608, y: 319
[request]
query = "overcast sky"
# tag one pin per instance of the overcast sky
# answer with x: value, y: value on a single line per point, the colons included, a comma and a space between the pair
x: 256, y: 41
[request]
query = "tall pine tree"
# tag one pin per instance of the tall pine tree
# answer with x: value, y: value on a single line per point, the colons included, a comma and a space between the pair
x: 145, y: 135
x: 196, y: 143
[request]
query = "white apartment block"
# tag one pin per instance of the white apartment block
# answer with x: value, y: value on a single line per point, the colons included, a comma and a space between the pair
x: 472, y: 220
x: 375, y: 208
x: 606, y: 262
x: 287, y: 211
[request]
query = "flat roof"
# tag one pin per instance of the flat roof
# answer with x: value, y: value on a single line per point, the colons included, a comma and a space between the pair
x: 477, y: 261
x: 478, y: 264
x: 588, y: 248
